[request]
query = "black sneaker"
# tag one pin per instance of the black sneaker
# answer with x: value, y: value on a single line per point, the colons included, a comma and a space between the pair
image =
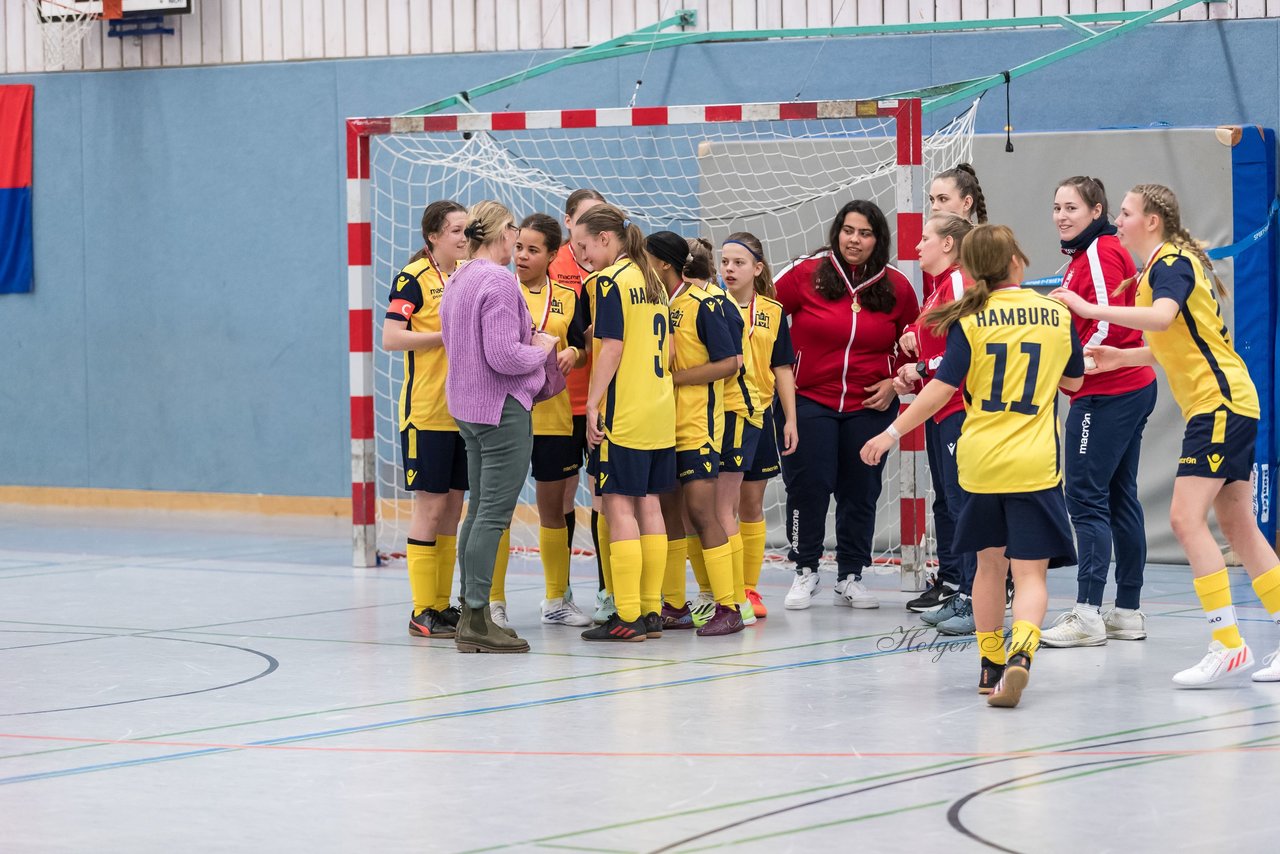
x: 1008, y: 592
x: 451, y: 615
x: 1008, y: 691
x: 991, y: 674
x: 653, y: 624
x: 938, y: 594
x: 617, y: 629
x: 429, y: 623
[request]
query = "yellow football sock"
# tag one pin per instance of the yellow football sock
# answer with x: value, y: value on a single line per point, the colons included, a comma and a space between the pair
x: 606, y: 550
x: 673, y: 577
x: 752, y: 534
x: 553, y: 545
x: 498, y: 590
x: 720, y: 573
x: 696, y: 558
x: 628, y: 563
x: 739, y: 584
x: 1214, y: 591
x: 653, y: 564
x: 446, y: 559
x: 991, y: 646
x: 1267, y: 586
x: 1024, y: 637
x: 421, y: 558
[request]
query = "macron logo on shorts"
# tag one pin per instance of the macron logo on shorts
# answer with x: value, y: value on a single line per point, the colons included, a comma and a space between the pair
x: 1215, y: 462
x: 409, y: 476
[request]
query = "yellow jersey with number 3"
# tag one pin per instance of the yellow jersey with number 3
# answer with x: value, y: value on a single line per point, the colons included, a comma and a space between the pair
x: 638, y: 408
x: 552, y: 309
x: 1010, y: 357
x: 1205, y: 372
x: 415, y: 299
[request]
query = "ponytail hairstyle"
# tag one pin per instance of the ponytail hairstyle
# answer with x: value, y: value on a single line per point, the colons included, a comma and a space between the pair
x: 951, y: 225
x: 966, y: 181
x: 547, y: 227
x: 577, y: 197
x: 827, y: 282
x: 433, y: 220
x: 485, y: 223
x: 701, y: 265
x: 1159, y: 200
x: 605, y: 217
x: 1090, y: 190
x: 985, y: 256
x: 764, y: 281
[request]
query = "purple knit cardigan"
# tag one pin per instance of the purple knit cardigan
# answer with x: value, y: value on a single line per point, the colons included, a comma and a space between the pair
x: 487, y: 328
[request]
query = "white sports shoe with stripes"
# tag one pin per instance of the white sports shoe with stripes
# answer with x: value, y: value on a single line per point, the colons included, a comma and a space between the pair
x: 562, y: 612
x: 1219, y: 663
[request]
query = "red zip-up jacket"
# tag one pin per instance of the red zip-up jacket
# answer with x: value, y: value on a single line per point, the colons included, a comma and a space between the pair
x: 1093, y: 274
x: 946, y: 287
x: 840, y: 351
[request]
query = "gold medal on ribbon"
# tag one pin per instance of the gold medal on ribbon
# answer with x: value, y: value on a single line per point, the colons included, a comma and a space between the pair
x: 855, y: 307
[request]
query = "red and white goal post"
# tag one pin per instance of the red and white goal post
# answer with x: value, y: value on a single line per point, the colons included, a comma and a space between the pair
x: 779, y: 170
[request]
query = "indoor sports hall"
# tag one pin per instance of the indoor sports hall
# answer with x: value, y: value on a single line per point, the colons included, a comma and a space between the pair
x: 238, y: 563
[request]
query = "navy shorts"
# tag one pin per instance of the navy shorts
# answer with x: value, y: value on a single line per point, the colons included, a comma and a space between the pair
x: 1030, y: 525
x: 555, y: 458
x: 697, y: 464
x: 625, y: 471
x: 738, y: 450
x: 766, y: 463
x: 434, y: 460
x: 1218, y: 444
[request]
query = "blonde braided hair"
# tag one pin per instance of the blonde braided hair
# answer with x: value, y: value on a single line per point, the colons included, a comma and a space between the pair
x: 1159, y: 200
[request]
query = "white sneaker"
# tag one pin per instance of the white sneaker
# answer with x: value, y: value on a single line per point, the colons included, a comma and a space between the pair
x: 702, y: 609
x: 562, y: 612
x: 1081, y: 626
x: 604, y: 608
x: 1220, y: 662
x: 803, y: 586
x: 498, y: 610
x: 1271, y: 669
x: 851, y: 593
x: 1125, y: 624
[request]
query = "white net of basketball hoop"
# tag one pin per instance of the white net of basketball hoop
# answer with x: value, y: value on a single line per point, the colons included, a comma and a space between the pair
x: 64, y: 25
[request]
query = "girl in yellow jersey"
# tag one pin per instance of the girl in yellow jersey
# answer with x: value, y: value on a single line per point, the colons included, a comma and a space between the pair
x: 556, y: 458
x: 435, y: 461
x: 630, y: 417
x: 1012, y: 349
x: 703, y: 354
x: 1176, y: 307
x: 742, y: 422
x: 768, y: 351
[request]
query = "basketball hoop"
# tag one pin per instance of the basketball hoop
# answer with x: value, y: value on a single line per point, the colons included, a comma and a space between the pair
x: 65, y: 23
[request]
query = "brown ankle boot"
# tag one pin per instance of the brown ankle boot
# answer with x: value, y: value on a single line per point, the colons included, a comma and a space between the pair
x: 478, y: 633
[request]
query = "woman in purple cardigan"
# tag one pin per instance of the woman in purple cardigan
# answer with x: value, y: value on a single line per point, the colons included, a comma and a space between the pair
x: 497, y: 363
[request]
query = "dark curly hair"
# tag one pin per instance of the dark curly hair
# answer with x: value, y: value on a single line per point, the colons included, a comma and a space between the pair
x: 827, y: 282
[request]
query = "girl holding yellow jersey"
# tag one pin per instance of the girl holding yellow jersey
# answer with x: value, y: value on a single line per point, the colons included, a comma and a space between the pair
x: 1176, y: 307
x: 703, y: 354
x: 630, y: 417
x: 1012, y: 349
x: 556, y: 458
x: 767, y: 351
x: 435, y: 460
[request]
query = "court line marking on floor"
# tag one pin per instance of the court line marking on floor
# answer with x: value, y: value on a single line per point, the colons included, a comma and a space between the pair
x: 856, y: 781
x: 821, y: 826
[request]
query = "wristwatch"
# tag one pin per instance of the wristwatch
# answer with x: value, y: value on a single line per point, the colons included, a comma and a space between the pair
x: 922, y: 368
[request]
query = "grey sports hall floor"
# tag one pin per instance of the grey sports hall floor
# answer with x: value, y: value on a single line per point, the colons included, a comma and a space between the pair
x: 202, y: 683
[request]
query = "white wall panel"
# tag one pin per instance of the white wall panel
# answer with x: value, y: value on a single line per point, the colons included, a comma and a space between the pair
x: 233, y: 31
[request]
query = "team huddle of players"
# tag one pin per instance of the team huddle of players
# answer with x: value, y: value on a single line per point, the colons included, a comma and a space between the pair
x: 684, y: 382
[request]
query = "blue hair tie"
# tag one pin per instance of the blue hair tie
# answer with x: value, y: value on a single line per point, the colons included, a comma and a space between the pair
x: 744, y: 246
x: 626, y: 223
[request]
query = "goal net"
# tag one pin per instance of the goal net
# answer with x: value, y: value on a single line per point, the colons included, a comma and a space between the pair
x: 780, y: 171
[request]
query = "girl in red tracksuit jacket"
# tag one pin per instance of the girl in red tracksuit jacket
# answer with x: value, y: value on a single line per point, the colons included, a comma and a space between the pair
x: 948, y: 595
x: 848, y: 308
x: 1103, y: 435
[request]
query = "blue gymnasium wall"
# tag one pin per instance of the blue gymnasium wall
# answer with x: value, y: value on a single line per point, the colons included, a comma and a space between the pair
x: 188, y: 325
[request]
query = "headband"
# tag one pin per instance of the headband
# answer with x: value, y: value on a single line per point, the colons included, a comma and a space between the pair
x: 744, y: 246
